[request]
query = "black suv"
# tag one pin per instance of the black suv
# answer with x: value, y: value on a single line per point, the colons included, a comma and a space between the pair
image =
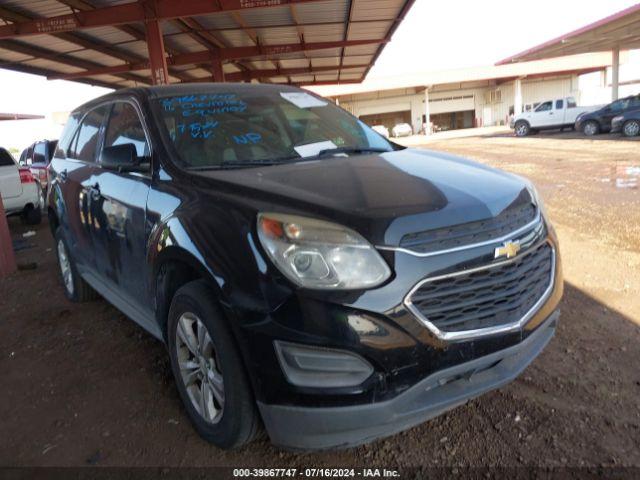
x: 599, y: 121
x: 303, y: 271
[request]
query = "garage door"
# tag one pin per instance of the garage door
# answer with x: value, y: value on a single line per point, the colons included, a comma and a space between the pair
x: 387, y: 119
x: 454, y: 103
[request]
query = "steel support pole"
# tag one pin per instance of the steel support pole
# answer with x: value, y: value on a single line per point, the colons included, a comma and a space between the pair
x: 216, y: 67
x: 615, y: 72
x: 157, y: 57
x: 7, y: 257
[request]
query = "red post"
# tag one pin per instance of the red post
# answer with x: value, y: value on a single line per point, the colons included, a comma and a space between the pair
x: 216, y: 67
x: 157, y: 57
x: 7, y: 257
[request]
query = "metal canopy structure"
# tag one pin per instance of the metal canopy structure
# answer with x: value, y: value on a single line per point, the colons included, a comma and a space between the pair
x: 620, y: 31
x: 116, y: 43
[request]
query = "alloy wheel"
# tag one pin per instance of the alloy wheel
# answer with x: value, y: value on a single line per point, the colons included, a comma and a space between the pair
x: 632, y: 128
x: 65, y: 267
x: 590, y: 129
x: 199, y: 367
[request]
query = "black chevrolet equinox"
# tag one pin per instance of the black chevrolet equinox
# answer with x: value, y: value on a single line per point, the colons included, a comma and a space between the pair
x: 305, y: 273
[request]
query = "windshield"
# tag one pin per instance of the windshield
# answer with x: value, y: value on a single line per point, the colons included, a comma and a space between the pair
x: 224, y: 128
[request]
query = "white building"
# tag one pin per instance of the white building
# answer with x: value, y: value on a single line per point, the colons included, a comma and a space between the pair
x: 465, y: 98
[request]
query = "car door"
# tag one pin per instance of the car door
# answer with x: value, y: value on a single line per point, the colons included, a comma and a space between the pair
x: 10, y: 185
x: 75, y: 169
x: 543, y: 115
x: 118, y: 206
x: 614, y: 109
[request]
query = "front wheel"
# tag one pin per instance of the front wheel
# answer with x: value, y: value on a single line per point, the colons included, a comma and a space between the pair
x: 631, y: 128
x: 522, y: 129
x: 591, y: 128
x: 208, y: 369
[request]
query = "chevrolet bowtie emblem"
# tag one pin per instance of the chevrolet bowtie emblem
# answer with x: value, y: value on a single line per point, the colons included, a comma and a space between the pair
x: 508, y: 249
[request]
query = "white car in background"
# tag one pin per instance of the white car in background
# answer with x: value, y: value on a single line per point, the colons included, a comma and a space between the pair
x: 382, y: 130
x: 20, y: 191
x: 402, y: 130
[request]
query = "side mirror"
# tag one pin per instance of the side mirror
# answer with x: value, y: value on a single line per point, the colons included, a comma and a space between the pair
x: 123, y: 158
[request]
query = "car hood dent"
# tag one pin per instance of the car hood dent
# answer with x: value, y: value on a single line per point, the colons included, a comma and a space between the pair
x: 385, y: 196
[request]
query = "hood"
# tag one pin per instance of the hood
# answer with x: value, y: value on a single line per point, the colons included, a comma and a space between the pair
x: 383, y: 196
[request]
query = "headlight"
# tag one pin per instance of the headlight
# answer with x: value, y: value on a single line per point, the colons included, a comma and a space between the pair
x: 321, y: 255
x: 536, y: 198
x: 617, y: 119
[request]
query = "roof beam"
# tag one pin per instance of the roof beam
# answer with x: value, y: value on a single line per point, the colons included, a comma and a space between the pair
x: 280, y: 72
x: 82, y: 41
x: 233, y: 53
x: 133, y: 12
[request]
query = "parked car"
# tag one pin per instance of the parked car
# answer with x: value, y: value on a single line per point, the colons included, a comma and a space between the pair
x: 599, y: 121
x: 382, y: 130
x: 628, y: 123
x: 20, y: 191
x: 402, y: 130
x: 303, y: 271
x: 549, y: 115
x: 37, y: 157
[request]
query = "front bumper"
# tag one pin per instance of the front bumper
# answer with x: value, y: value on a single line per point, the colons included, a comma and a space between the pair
x: 298, y: 427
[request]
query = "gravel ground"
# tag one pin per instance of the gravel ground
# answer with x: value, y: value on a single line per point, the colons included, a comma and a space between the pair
x: 81, y: 385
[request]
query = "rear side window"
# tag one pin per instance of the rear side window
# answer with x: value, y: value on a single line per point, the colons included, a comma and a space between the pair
x: 6, y: 160
x: 559, y: 104
x: 40, y: 153
x: 83, y: 146
x: 125, y: 127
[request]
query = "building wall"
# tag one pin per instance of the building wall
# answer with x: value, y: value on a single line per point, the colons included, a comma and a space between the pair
x: 486, y: 114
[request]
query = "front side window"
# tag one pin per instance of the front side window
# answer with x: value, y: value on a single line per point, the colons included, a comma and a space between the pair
x: 83, y: 146
x: 226, y: 128
x: 125, y: 127
x: 544, y: 107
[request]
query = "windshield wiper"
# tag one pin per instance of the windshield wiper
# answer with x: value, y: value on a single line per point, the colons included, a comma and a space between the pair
x: 242, y: 164
x: 331, y: 151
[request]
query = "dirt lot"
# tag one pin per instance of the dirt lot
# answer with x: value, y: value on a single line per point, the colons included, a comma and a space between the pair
x: 81, y: 385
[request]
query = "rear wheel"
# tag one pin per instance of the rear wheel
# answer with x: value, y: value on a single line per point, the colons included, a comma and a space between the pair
x: 208, y: 369
x: 591, y: 128
x: 522, y: 129
x: 631, y: 128
x: 75, y: 288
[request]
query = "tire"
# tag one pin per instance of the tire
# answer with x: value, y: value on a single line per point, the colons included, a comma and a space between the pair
x: 32, y: 216
x: 522, y: 128
x: 75, y: 288
x: 631, y: 128
x: 591, y: 128
x: 230, y: 418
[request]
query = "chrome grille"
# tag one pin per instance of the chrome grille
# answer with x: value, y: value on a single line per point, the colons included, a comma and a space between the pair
x: 470, y: 233
x: 495, y: 296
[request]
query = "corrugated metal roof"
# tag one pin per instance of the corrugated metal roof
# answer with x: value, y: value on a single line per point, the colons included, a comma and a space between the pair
x: 320, y: 26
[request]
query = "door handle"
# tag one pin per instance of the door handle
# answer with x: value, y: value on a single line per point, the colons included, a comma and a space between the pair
x: 94, y: 191
x: 62, y: 174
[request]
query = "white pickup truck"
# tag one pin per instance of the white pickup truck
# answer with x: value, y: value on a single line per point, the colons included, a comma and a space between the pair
x: 548, y: 115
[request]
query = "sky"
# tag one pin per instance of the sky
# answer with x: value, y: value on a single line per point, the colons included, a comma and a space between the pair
x: 435, y: 35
